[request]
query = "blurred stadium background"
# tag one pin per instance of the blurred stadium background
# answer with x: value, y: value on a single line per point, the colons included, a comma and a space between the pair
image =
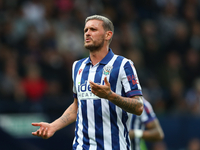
x: 40, y: 39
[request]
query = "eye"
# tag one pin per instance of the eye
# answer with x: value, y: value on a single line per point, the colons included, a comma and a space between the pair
x: 93, y: 29
x: 85, y: 30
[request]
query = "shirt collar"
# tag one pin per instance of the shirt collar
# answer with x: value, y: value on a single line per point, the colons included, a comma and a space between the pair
x: 105, y: 60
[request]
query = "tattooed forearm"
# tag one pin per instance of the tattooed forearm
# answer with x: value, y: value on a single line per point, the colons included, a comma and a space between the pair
x: 65, y: 118
x: 108, y: 94
x: 69, y: 115
x: 133, y: 105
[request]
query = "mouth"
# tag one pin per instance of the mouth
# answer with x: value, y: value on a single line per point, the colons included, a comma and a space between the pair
x: 88, y: 40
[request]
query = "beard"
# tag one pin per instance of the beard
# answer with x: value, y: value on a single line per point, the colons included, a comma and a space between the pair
x: 95, y: 46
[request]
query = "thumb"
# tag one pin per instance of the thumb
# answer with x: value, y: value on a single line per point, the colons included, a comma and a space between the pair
x: 106, y: 81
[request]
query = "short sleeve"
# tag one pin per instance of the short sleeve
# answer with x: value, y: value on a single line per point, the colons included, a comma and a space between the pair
x: 148, y: 114
x: 130, y: 80
x: 73, y: 76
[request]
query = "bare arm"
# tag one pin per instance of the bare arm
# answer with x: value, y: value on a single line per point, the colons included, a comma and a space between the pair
x: 47, y: 130
x: 133, y: 105
x: 68, y: 117
x: 153, y: 132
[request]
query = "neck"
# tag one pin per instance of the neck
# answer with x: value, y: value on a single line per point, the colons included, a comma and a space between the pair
x: 97, y: 56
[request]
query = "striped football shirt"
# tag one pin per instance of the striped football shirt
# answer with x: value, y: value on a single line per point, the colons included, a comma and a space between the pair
x: 139, y: 122
x: 101, y: 125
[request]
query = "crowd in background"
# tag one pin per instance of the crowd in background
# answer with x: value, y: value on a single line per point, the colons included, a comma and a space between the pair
x: 40, y: 39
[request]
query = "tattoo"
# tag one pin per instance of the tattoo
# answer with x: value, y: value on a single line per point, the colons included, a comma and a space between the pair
x: 65, y: 118
x: 132, y: 105
x: 108, y: 94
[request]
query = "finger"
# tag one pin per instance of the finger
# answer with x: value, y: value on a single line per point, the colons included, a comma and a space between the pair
x: 93, y: 85
x: 44, y: 136
x: 36, y: 124
x: 91, y: 82
x: 34, y: 133
x: 93, y: 91
x: 41, y: 130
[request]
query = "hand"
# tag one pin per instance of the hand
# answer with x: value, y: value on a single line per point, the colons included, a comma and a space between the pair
x: 45, y: 131
x: 131, y: 134
x: 102, y: 91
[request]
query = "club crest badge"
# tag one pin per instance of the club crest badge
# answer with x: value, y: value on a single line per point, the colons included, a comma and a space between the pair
x: 107, y: 70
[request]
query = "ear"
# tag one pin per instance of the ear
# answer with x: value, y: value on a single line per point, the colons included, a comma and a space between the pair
x: 108, y: 35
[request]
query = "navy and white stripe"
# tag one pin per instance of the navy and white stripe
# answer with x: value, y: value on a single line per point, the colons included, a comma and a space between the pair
x: 100, y: 124
x: 139, y: 122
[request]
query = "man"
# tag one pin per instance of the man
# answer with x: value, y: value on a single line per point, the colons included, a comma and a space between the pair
x: 106, y: 92
x: 146, y: 126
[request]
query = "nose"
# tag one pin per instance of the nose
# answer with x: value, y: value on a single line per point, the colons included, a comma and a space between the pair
x: 87, y: 32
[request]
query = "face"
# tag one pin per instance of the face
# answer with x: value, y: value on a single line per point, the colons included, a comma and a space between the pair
x: 94, y: 35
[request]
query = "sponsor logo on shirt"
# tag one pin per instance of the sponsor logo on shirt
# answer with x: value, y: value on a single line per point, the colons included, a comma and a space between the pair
x: 132, y: 79
x: 84, y: 91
